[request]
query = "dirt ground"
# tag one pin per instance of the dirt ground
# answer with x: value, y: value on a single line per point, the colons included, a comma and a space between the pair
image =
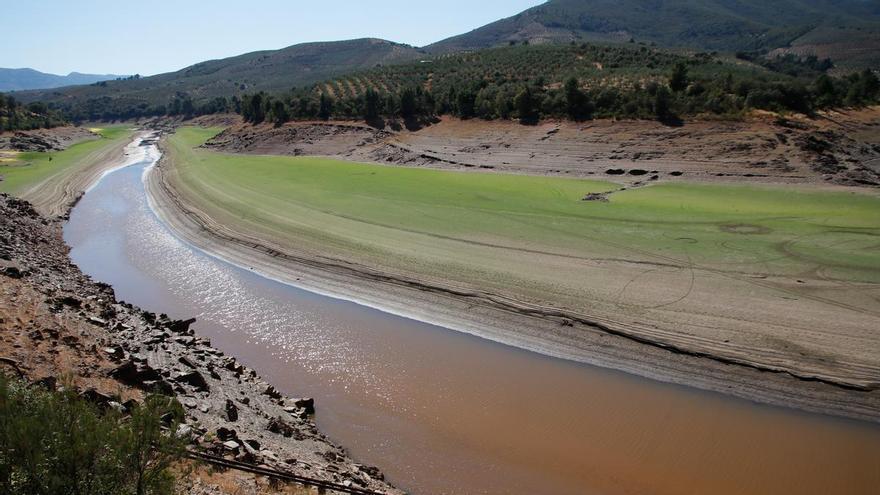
x: 835, y: 147
x: 55, y: 139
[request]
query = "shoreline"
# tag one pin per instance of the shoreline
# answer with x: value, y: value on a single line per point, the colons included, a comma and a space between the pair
x: 143, y: 352
x: 548, y: 331
x: 56, y: 196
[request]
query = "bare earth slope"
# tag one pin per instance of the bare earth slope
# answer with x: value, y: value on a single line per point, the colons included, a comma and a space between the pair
x: 839, y: 147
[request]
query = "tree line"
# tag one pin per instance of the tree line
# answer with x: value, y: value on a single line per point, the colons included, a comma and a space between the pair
x: 679, y: 94
x: 17, y: 117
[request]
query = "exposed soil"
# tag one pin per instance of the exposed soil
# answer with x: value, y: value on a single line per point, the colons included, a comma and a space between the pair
x: 57, y: 324
x: 836, y: 147
x: 55, y: 139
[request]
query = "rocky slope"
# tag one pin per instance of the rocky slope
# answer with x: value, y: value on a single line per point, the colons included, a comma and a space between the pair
x: 837, y: 148
x: 57, y: 323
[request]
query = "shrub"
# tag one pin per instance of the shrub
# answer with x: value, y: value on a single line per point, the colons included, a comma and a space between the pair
x: 56, y: 443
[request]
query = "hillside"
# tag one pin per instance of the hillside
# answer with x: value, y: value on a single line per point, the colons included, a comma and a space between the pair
x: 723, y: 25
x: 270, y: 70
x: 577, y: 81
x: 24, y: 79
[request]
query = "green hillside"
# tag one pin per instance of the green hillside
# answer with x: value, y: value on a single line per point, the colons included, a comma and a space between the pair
x: 571, y: 80
x: 200, y: 84
x: 725, y: 25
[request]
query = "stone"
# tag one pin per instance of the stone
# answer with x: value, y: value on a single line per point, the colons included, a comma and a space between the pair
x: 231, y: 411
x: 194, y: 379
x: 231, y: 445
x: 94, y: 320
x: 306, y: 403
x: 183, y: 431
x: 181, y: 326
x: 224, y: 433
x: 186, y: 362
x: 272, y: 392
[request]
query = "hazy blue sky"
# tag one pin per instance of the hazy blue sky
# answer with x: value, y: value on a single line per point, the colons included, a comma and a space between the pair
x: 149, y: 37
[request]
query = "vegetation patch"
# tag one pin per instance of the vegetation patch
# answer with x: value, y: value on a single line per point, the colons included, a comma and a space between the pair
x: 60, y: 443
x: 445, y: 223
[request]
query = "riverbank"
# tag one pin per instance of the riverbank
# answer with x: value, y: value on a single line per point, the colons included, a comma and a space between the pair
x: 54, y: 176
x: 58, y: 324
x: 765, y: 374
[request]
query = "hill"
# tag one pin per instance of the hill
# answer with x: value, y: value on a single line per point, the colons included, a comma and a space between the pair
x: 572, y: 80
x: 199, y: 84
x: 24, y: 79
x: 742, y: 25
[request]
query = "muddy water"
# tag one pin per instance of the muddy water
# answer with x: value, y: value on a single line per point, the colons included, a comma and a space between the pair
x: 444, y: 412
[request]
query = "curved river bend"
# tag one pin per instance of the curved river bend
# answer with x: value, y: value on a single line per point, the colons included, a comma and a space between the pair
x: 444, y: 412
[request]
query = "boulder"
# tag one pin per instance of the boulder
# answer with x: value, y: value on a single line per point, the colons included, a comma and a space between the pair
x: 194, y: 379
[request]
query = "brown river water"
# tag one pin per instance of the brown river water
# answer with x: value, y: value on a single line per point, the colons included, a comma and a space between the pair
x: 444, y: 412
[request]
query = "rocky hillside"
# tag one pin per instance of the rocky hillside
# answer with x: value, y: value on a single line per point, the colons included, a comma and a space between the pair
x: 58, y: 325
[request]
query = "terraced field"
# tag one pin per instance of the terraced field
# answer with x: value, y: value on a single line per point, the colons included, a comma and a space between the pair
x: 783, y: 277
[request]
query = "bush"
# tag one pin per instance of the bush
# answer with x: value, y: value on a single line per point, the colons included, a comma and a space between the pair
x: 56, y: 443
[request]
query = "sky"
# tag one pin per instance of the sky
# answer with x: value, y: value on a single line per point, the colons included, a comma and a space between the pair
x: 155, y: 36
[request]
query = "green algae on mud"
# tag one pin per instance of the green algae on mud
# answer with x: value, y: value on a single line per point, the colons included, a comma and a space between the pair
x: 27, y: 169
x: 367, y: 208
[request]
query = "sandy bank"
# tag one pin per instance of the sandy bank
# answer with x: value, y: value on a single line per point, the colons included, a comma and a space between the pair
x: 620, y: 342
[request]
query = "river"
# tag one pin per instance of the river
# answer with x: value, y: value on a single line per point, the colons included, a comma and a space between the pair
x: 444, y: 412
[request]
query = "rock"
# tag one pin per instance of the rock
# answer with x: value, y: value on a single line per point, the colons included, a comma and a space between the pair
x: 231, y: 445
x: 96, y: 397
x: 306, y: 403
x: 183, y: 431
x: 115, y: 353
x: 231, y: 411
x: 280, y: 427
x: 186, y: 362
x: 136, y: 374
x: 194, y: 379
x: 272, y: 392
x: 13, y: 272
x: 94, y: 320
x: 224, y: 433
x: 181, y: 326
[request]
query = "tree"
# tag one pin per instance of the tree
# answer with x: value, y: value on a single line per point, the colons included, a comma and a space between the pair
x: 526, y: 106
x: 826, y: 93
x: 661, y: 104
x: 371, y: 105
x: 679, y: 79
x: 325, y: 107
x: 577, y: 105
x: 279, y: 112
x: 408, y: 103
x: 466, y: 104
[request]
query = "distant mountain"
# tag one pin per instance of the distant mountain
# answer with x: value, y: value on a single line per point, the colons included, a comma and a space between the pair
x: 725, y: 25
x: 23, y: 79
x: 270, y: 70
